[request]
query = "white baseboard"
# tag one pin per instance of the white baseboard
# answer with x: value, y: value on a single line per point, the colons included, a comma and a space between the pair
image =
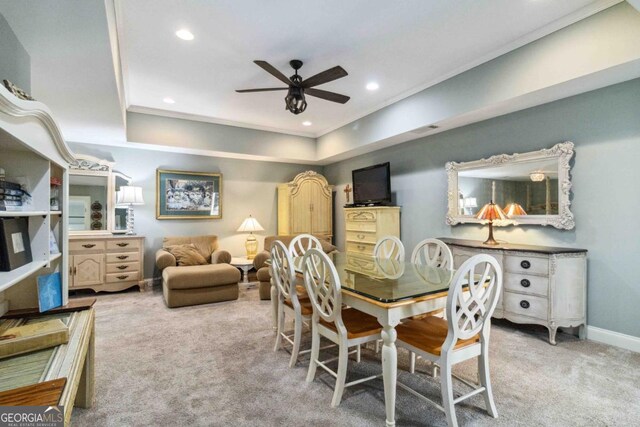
x: 617, y: 339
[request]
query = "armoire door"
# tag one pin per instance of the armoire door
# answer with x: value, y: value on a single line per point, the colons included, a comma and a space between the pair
x: 88, y: 269
x: 320, y: 210
x: 301, y: 208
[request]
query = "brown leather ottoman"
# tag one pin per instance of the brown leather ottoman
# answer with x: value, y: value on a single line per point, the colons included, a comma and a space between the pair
x: 201, y: 284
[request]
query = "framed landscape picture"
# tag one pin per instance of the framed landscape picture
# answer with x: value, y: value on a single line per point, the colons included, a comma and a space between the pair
x: 188, y: 195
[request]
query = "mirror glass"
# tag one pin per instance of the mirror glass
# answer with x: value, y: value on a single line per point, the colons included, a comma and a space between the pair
x: 120, y: 212
x: 87, y: 202
x: 519, y: 188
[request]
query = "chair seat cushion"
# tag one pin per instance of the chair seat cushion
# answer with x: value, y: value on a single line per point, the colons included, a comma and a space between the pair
x: 428, y: 334
x: 305, y: 306
x: 200, y: 276
x: 357, y: 323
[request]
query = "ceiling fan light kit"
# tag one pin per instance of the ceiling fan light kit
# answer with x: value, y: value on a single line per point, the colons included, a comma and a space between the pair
x: 295, y: 100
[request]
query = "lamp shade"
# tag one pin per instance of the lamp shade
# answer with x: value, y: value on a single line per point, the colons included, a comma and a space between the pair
x: 129, y: 195
x: 491, y: 212
x: 514, y: 209
x: 250, y: 225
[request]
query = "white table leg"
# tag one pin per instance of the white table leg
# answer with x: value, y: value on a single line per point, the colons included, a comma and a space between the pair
x: 389, y: 371
x: 245, y: 275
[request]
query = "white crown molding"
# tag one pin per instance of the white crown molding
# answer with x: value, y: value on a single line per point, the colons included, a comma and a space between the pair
x: 579, y: 15
x: 617, y: 339
x: 120, y: 35
x: 207, y: 119
x: 199, y: 152
x: 635, y: 3
x: 113, y: 11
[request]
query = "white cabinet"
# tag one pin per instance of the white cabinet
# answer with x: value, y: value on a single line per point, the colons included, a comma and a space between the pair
x: 305, y: 205
x: 542, y: 285
x: 365, y: 226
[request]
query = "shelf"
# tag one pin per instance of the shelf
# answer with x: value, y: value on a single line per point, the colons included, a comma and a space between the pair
x: 9, y: 278
x: 53, y: 257
x: 56, y: 212
x: 23, y: 213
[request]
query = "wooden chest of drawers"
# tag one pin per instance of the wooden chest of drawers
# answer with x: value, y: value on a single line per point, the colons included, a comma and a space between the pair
x: 541, y: 285
x: 110, y: 263
x: 365, y: 226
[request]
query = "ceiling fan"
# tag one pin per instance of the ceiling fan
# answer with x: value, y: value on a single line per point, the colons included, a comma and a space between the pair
x: 297, y: 88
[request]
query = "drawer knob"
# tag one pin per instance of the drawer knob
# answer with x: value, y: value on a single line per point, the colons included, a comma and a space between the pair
x: 360, y: 236
x: 525, y: 283
x: 122, y: 245
x: 122, y: 267
x: 122, y: 277
x: 524, y: 304
x: 88, y: 245
x: 122, y: 256
x: 525, y: 264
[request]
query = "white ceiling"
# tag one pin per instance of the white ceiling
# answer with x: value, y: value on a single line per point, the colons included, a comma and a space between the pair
x: 404, y: 46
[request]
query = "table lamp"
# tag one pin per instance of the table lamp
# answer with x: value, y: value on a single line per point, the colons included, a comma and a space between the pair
x: 491, y: 212
x: 514, y: 209
x: 129, y: 196
x: 250, y: 225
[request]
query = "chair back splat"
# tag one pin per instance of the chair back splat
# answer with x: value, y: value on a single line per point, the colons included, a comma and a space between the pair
x: 302, y: 243
x: 389, y: 247
x: 434, y: 253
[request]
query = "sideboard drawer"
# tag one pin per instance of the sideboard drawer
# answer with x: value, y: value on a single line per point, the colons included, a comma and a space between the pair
x: 124, y: 244
x: 365, y: 237
x: 360, y: 248
x: 122, y: 277
x: 526, y: 305
x: 527, y: 284
x: 123, y: 267
x: 123, y: 257
x: 361, y: 226
x: 86, y: 245
x: 526, y: 265
x: 362, y: 215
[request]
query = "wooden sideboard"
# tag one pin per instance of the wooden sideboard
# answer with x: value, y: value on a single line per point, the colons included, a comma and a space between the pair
x: 106, y: 263
x: 542, y: 285
x: 365, y: 226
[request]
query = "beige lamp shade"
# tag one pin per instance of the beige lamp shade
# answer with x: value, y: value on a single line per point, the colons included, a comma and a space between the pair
x: 129, y: 195
x: 514, y: 209
x: 249, y: 225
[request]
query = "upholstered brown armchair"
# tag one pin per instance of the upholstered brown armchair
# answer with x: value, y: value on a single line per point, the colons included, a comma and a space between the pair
x: 263, y: 273
x: 195, y: 271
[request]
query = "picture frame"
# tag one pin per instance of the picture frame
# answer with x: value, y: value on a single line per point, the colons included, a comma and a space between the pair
x: 188, y: 195
x: 15, y: 245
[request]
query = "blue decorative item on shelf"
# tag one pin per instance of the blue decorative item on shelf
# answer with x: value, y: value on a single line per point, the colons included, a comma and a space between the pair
x: 49, y: 291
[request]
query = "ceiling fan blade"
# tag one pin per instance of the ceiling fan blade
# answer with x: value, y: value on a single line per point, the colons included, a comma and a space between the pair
x: 329, y: 96
x: 266, y: 89
x: 324, y: 77
x: 274, y: 72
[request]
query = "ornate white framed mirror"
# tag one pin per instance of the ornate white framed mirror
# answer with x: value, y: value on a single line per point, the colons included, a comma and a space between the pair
x: 90, y: 196
x: 532, y: 188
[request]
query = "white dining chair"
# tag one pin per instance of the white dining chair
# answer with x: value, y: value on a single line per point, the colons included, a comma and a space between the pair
x: 284, y: 277
x: 434, y: 253
x: 346, y: 327
x: 300, y: 244
x: 464, y: 335
x: 389, y: 247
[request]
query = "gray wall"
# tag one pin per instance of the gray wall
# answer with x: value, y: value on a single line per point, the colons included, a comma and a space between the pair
x: 248, y: 187
x: 604, y: 125
x: 15, y: 64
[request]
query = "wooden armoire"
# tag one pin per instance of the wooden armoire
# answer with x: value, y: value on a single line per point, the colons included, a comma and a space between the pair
x: 305, y: 205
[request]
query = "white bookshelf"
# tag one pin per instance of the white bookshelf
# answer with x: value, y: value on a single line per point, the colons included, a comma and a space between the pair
x: 33, y: 148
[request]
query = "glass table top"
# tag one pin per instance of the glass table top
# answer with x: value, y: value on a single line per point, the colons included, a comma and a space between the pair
x: 386, y: 280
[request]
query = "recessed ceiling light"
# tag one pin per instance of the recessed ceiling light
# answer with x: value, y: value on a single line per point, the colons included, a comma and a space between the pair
x: 184, y: 34
x: 372, y: 86
x: 168, y: 100
x: 307, y: 123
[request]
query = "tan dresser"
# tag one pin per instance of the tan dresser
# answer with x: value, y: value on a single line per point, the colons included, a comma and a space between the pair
x: 541, y: 285
x: 106, y: 263
x: 365, y: 226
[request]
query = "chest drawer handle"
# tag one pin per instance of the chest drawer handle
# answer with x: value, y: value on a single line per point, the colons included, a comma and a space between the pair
x: 122, y: 277
x: 122, y: 256
x: 525, y: 264
x: 88, y: 245
x: 361, y: 247
x: 122, y: 267
x: 361, y: 236
x: 525, y: 283
x: 525, y: 304
x: 122, y: 245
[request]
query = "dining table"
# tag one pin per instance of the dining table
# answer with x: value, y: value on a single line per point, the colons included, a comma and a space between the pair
x: 390, y: 291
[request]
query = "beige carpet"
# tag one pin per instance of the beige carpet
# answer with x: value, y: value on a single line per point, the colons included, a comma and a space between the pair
x: 213, y: 365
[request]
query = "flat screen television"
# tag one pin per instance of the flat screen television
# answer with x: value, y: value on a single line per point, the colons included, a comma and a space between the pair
x: 372, y: 185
